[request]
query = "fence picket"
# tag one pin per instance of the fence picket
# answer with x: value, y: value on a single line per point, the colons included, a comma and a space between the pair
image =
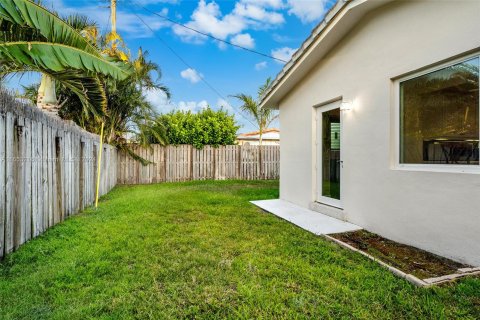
x: 184, y: 162
x: 2, y: 184
x: 46, y: 171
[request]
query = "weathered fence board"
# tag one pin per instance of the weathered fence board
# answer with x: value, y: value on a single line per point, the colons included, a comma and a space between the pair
x: 47, y: 171
x: 184, y: 163
x: 2, y: 184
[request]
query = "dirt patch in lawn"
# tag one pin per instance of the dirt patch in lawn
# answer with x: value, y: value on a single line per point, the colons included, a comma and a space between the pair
x: 411, y: 260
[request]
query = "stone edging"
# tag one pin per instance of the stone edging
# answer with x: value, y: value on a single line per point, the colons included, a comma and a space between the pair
x: 410, y: 278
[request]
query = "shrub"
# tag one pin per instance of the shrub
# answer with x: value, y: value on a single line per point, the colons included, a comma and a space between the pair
x: 208, y: 127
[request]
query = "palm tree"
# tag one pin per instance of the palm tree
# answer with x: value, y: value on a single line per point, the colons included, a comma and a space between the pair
x: 33, y: 39
x: 263, y: 117
x: 89, y: 71
x: 128, y: 112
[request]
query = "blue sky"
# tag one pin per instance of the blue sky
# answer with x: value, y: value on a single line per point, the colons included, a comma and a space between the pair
x: 274, y: 27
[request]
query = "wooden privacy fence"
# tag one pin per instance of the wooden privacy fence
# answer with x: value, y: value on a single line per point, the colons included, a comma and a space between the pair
x: 184, y: 162
x: 47, y: 171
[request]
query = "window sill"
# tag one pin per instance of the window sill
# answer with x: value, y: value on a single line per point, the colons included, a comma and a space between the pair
x: 473, y: 169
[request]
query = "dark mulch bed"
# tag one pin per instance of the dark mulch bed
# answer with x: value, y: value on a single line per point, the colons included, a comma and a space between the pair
x: 411, y: 260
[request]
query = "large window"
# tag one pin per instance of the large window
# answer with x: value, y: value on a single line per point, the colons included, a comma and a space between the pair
x: 439, y: 116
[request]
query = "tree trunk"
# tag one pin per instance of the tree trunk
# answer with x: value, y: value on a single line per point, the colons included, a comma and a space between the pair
x: 47, y: 98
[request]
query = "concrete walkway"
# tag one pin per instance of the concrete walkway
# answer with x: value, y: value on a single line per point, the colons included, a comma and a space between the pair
x: 309, y: 220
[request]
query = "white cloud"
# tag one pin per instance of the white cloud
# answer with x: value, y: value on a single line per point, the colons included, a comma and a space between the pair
x: 147, y: 2
x: 164, y: 12
x: 156, y: 97
x: 159, y: 100
x: 261, y: 65
x: 276, y: 4
x: 163, y: 105
x: 284, y: 53
x: 128, y: 24
x: 244, y: 40
x: 255, y: 12
x: 221, y: 45
x: 209, y: 19
x: 192, y: 106
x: 307, y: 11
x: 203, y: 104
x: 191, y: 75
x: 280, y: 38
x: 222, y: 103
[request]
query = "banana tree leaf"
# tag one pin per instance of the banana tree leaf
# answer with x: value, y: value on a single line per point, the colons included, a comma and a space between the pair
x: 58, y: 57
x: 89, y: 89
x: 11, y: 32
x: 28, y: 13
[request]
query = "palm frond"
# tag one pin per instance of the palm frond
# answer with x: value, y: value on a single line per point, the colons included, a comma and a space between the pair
x: 88, y: 88
x: 264, y: 87
x: 127, y: 148
x: 249, y: 105
x: 147, y: 73
x: 85, y: 26
x: 263, y: 117
x: 30, y: 92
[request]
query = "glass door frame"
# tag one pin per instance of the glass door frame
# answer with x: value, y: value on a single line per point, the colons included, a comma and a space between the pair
x: 319, y: 110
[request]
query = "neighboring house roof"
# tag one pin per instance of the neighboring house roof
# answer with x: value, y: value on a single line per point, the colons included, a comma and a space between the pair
x: 268, y: 134
x: 341, y: 18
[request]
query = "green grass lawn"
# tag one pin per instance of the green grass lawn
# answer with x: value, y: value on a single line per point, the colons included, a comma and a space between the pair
x: 200, y: 250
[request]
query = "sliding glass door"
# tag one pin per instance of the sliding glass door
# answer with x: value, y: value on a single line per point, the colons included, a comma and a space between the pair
x: 329, y: 163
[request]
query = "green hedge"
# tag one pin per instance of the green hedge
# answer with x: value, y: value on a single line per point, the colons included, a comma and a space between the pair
x: 208, y: 127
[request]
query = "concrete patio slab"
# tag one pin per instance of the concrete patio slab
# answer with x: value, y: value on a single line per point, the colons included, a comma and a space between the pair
x: 309, y: 220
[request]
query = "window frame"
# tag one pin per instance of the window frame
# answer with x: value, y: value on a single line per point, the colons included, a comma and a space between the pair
x: 428, y: 167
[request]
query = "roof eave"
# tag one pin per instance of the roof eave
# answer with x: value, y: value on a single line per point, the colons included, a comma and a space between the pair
x: 337, y: 22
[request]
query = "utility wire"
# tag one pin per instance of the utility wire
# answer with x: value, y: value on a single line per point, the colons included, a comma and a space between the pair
x: 209, y: 35
x: 105, y: 26
x: 189, y: 66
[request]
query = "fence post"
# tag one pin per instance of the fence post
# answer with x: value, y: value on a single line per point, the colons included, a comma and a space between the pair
x: 165, y: 158
x: 18, y: 184
x: 191, y: 162
x: 81, y: 179
x: 3, y: 183
x: 59, y: 155
x: 214, y: 156
x: 10, y: 134
x: 239, y: 162
x: 27, y: 176
x: 260, y: 161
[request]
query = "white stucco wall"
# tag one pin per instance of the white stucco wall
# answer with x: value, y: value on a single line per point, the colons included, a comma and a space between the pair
x: 436, y: 211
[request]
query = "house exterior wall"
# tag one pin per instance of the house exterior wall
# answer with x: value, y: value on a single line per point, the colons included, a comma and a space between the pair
x: 435, y: 211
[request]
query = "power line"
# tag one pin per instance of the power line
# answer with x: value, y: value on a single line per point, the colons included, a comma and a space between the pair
x: 209, y: 35
x: 189, y: 66
x: 105, y: 26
